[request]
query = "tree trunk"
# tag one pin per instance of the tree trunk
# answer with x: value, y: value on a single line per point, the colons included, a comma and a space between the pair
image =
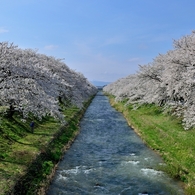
x: 10, y: 112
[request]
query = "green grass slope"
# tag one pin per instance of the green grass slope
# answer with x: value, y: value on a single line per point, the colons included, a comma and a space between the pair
x: 164, y: 134
x: 28, y: 159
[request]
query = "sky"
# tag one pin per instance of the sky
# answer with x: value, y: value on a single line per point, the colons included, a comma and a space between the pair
x: 105, y: 40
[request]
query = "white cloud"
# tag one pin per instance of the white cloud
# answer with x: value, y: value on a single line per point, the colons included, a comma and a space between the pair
x: 3, y: 30
x: 51, y: 47
x: 143, y: 46
x: 134, y: 60
x: 83, y: 48
x: 114, y: 40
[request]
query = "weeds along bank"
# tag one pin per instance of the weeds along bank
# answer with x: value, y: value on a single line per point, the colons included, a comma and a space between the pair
x: 39, y: 88
x: 158, y: 101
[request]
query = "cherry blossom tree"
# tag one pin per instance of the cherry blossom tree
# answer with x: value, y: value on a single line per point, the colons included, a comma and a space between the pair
x: 168, y: 81
x: 35, y: 83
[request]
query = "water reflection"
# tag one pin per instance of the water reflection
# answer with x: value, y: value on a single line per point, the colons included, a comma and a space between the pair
x: 109, y: 158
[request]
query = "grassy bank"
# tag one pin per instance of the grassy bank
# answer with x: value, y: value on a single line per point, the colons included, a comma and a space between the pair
x: 27, y: 159
x: 164, y: 134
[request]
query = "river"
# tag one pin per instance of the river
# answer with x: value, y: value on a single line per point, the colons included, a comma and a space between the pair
x: 108, y: 157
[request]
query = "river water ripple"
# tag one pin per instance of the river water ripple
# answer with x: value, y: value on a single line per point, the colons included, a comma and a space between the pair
x: 108, y: 157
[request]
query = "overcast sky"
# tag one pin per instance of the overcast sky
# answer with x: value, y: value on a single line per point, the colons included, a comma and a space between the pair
x: 103, y: 39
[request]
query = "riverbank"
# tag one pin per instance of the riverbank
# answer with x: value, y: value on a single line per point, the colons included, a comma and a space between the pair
x: 28, y: 160
x: 164, y: 134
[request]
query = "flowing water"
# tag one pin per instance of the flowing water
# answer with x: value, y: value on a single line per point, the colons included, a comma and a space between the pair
x: 108, y: 157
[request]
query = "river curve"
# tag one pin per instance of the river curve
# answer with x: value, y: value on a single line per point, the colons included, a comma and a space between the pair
x: 107, y: 157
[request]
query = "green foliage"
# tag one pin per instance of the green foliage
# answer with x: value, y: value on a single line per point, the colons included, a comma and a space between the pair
x: 47, y: 167
x: 56, y: 154
x: 3, y: 155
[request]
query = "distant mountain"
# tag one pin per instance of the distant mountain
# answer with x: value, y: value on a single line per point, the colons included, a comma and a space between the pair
x: 99, y: 83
